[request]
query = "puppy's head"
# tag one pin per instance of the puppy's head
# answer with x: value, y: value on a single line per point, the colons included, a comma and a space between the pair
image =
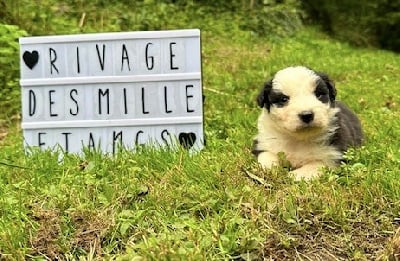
x: 299, y: 101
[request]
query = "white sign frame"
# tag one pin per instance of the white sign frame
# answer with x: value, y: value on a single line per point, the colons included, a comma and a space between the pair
x: 76, y: 95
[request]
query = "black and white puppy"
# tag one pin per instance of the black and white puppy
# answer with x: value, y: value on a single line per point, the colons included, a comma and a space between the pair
x: 301, y: 118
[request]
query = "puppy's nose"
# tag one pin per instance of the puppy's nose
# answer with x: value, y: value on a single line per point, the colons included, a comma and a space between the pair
x: 306, y: 116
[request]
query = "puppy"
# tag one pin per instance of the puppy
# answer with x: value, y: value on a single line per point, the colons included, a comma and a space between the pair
x: 301, y: 118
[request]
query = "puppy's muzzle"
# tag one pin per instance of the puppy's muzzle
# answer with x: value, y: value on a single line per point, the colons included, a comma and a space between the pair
x: 306, y: 116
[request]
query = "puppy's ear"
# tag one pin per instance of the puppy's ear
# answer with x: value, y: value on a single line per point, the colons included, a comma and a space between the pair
x: 330, y: 84
x: 262, y: 98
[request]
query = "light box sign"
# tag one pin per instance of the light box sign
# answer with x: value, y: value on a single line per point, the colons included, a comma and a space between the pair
x: 110, y: 89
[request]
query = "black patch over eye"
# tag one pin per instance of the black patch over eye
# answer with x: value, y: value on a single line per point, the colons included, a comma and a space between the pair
x: 278, y: 99
x: 322, y: 92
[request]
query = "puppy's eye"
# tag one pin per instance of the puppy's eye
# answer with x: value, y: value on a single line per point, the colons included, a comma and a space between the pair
x: 284, y: 99
x: 280, y: 100
x: 322, y: 95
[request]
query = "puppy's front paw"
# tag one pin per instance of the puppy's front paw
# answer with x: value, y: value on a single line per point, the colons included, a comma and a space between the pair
x: 267, y: 159
x: 307, y: 172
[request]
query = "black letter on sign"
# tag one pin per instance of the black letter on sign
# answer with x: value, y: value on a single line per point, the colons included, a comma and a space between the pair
x: 187, y: 98
x: 101, y: 59
x: 137, y: 137
x: 125, y: 104
x: 66, y: 140
x: 101, y: 93
x: 151, y: 58
x: 92, y: 144
x: 40, y: 142
x: 143, y: 108
x: 78, y: 67
x: 168, y: 136
x: 166, y: 100
x: 32, y: 103
x: 125, y: 57
x: 75, y: 101
x: 53, y: 58
x: 116, y: 136
x: 51, y: 104
x: 172, y: 55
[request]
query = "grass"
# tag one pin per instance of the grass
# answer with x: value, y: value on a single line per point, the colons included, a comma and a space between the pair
x: 218, y: 204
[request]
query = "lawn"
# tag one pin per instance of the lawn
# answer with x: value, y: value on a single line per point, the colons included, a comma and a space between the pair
x: 218, y: 204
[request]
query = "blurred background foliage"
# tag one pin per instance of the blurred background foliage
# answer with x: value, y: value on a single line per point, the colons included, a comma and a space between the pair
x: 365, y: 23
x: 372, y: 23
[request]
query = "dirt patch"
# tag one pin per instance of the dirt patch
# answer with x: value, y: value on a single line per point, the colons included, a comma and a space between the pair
x: 327, y: 245
x: 45, y: 240
x: 300, y: 247
x: 392, y: 250
x: 89, y: 231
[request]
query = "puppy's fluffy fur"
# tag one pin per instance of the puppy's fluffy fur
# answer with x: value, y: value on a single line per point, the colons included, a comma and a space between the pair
x: 301, y: 118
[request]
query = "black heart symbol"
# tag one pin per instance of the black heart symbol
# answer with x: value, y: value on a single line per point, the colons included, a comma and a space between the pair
x: 31, y: 58
x: 187, y: 139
